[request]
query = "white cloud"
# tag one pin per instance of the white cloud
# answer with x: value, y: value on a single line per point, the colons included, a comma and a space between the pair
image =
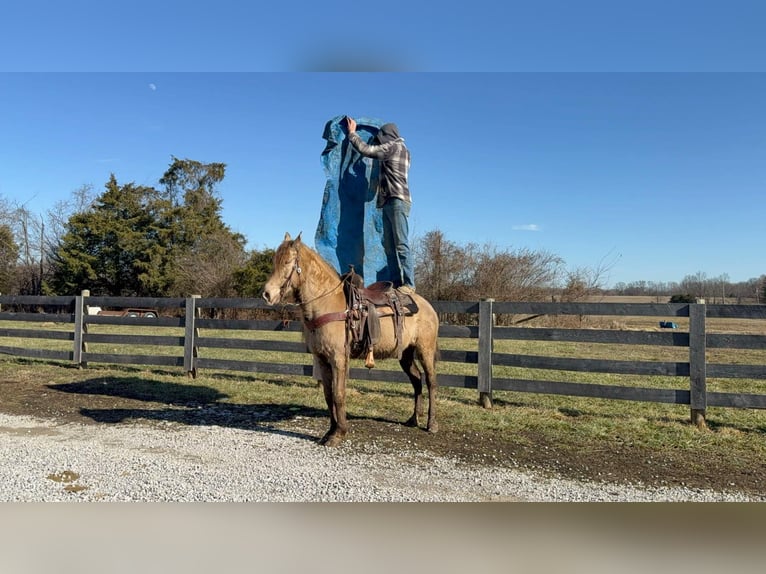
x: 153, y: 87
x: 526, y: 227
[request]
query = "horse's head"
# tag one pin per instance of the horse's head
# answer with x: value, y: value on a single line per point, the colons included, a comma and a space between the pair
x: 286, y: 276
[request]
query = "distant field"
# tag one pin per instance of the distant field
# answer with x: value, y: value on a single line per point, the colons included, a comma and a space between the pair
x: 743, y: 326
x: 663, y: 299
x: 628, y: 299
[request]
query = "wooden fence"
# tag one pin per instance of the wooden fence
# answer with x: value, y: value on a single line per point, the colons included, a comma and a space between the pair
x: 186, y: 316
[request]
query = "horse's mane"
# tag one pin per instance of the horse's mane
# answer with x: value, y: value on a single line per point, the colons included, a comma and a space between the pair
x: 308, y: 258
x: 304, y: 251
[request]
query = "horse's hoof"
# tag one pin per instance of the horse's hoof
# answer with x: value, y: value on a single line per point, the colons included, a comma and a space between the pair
x: 334, y: 440
x: 433, y: 428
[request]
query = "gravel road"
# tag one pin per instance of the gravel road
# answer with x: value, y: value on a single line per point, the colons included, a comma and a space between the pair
x: 45, y: 461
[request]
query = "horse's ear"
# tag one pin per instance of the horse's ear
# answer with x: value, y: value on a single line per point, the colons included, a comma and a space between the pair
x: 298, y: 239
x: 287, y: 237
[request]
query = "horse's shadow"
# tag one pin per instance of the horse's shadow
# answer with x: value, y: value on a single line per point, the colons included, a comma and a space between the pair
x: 186, y: 404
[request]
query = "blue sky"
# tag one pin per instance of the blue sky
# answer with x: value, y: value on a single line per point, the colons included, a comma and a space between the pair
x: 659, y: 175
x: 603, y: 133
x: 481, y: 35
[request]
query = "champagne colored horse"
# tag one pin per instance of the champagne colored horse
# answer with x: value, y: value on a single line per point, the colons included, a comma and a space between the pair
x: 301, y: 275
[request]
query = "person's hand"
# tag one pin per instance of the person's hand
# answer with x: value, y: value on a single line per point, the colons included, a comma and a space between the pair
x: 350, y: 124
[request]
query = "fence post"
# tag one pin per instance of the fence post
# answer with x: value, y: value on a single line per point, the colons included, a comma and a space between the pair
x: 80, y: 328
x: 191, y: 332
x: 486, y: 323
x: 697, y: 363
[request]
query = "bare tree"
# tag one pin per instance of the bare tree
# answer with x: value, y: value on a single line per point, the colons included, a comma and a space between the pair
x: 208, y: 269
x: 520, y: 275
x: 443, y: 268
x: 583, y: 283
x: 695, y: 285
x: 448, y: 271
x: 9, y: 253
x: 30, y: 233
x: 57, y: 216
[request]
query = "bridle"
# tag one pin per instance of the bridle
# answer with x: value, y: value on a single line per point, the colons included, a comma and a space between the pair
x: 288, y: 284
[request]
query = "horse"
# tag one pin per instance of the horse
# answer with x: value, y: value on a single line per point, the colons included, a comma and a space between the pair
x: 301, y: 276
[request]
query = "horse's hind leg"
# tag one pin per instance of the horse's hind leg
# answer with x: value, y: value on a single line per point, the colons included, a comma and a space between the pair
x: 408, y: 365
x: 428, y: 362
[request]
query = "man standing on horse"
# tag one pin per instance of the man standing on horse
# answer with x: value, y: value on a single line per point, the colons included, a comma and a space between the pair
x: 393, y: 197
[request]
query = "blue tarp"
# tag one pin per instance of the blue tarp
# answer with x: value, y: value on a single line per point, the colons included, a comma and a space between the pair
x: 350, y: 230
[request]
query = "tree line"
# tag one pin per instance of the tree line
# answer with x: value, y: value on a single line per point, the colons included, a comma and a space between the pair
x: 132, y: 240
x: 171, y: 241
x: 699, y: 285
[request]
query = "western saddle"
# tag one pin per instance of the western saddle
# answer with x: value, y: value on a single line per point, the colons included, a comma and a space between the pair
x: 366, y: 306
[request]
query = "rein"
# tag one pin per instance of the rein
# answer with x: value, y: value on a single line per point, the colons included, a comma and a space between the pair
x: 289, y: 283
x: 325, y: 294
x: 316, y: 322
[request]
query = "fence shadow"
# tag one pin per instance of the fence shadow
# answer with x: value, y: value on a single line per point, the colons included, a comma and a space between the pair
x: 257, y: 418
x: 141, y: 389
x: 185, y: 404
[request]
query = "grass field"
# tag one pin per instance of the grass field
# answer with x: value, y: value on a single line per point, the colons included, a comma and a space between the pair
x: 578, y: 437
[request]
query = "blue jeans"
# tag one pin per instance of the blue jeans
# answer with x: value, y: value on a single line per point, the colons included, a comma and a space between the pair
x: 396, y: 242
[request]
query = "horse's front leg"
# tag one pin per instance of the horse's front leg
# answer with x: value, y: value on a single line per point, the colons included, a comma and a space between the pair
x: 325, y: 372
x: 334, y: 387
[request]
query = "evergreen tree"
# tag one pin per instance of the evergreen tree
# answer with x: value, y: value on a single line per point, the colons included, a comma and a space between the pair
x: 203, y: 251
x: 138, y: 241
x: 109, y: 248
x: 193, y: 205
x: 251, y: 277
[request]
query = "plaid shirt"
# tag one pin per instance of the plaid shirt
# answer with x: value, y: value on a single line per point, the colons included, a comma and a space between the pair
x: 394, y: 158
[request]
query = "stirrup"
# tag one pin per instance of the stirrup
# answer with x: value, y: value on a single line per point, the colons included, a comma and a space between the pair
x: 369, y: 361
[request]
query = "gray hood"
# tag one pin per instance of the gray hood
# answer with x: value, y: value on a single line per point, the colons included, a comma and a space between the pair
x: 387, y: 133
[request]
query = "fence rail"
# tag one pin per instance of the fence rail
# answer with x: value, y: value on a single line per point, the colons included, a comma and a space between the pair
x: 186, y: 316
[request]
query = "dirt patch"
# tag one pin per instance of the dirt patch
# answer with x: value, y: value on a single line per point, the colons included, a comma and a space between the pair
x: 625, y: 464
